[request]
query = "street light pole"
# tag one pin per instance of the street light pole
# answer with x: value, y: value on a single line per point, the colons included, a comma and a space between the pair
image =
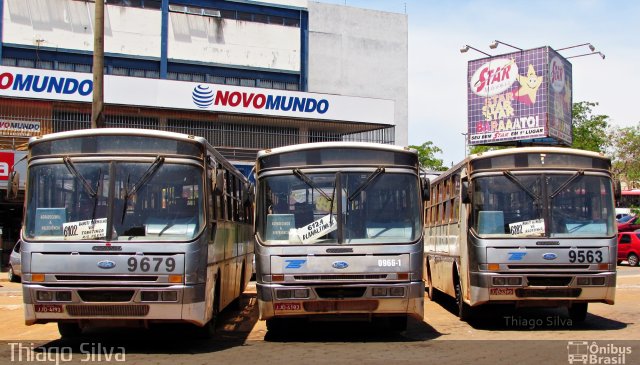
x: 97, y: 106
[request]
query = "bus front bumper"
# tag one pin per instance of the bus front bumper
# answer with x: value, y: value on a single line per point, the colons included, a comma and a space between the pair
x: 542, y: 289
x: 176, y: 303
x: 345, y: 300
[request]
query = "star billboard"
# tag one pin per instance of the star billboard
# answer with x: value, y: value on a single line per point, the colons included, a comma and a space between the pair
x: 522, y: 97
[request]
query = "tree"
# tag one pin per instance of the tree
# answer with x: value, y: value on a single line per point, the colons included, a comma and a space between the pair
x: 426, y: 156
x: 625, y: 152
x: 589, y: 131
x: 480, y: 149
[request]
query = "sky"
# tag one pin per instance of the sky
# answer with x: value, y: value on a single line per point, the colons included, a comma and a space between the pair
x: 438, y: 71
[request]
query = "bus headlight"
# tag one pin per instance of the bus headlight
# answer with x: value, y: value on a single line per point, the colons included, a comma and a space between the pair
x: 507, y: 281
x: 284, y: 294
x: 379, y: 291
x: 301, y: 293
x: 590, y: 281
x: 396, y: 291
x: 44, y: 296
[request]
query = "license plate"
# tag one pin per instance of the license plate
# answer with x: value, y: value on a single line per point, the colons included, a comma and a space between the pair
x: 287, y: 306
x: 501, y: 291
x: 48, y: 308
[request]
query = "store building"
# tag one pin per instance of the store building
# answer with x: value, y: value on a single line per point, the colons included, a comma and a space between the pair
x: 246, y: 75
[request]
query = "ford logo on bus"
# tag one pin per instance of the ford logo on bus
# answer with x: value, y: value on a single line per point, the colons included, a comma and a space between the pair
x: 549, y: 256
x: 106, y: 264
x: 339, y: 265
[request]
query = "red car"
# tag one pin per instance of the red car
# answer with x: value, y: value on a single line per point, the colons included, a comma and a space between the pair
x: 629, y: 247
x: 630, y: 225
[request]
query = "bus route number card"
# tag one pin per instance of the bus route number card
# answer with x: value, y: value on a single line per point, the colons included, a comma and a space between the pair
x: 85, y: 230
x: 532, y: 227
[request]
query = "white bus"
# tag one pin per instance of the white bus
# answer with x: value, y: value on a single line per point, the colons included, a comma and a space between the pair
x: 339, y: 233
x: 126, y: 227
x: 530, y: 226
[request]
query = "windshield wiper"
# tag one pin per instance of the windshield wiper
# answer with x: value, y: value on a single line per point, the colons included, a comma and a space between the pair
x: 72, y: 168
x: 374, y: 175
x: 140, y: 183
x: 515, y: 180
x: 301, y: 175
x: 573, y: 177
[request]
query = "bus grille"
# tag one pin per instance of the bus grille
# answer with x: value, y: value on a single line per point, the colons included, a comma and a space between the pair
x: 105, y: 295
x: 548, y: 293
x: 341, y: 305
x: 549, y: 280
x: 105, y: 278
x: 108, y: 310
x: 548, y: 267
x: 341, y: 277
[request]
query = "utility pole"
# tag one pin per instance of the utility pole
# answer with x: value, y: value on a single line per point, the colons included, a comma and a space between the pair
x: 97, y: 106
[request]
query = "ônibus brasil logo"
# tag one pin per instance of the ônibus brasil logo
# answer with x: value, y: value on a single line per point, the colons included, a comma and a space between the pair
x: 203, y: 96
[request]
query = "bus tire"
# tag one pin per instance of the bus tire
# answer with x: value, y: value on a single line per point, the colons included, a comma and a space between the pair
x: 578, y: 311
x: 632, y: 259
x: 465, y: 312
x: 276, y: 324
x: 12, y: 276
x: 69, y: 330
x: 238, y: 302
x: 432, y: 292
x: 209, y: 329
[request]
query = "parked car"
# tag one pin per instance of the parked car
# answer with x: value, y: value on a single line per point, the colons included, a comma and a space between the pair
x: 630, y: 225
x: 15, y: 266
x: 623, y: 217
x: 629, y: 247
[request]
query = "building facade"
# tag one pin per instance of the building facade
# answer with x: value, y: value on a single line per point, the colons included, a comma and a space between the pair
x: 246, y: 75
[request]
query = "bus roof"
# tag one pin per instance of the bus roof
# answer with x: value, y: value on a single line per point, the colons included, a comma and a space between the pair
x: 322, y: 145
x: 510, y: 151
x: 141, y: 133
x: 116, y: 132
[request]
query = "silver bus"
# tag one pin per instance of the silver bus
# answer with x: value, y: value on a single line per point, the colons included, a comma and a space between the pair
x: 127, y: 227
x: 530, y: 226
x: 339, y: 233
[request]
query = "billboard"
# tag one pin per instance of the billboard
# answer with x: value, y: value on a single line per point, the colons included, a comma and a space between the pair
x: 523, y: 96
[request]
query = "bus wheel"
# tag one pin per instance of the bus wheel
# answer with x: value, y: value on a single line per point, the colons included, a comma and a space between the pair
x: 578, y: 311
x: 432, y: 292
x: 464, y: 310
x: 12, y: 276
x: 207, y: 331
x: 632, y: 260
x: 69, y: 330
x: 238, y: 303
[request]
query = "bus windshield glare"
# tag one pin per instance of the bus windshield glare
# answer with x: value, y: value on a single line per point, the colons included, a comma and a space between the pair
x: 151, y: 201
x: 345, y: 208
x: 511, y: 205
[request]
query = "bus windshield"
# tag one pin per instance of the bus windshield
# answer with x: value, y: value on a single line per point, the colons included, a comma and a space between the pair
x: 143, y: 201
x: 345, y: 208
x: 543, y: 205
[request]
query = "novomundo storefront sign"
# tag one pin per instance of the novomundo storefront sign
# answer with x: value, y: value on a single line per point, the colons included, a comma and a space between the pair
x: 74, y: 86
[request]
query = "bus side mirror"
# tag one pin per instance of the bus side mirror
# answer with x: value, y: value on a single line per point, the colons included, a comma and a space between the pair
x: 248, y: 194
x: 426, y: 189
x: 617, y: 190
x: 219, y: 182
x: 466, y: 192
x: 12, y: 185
